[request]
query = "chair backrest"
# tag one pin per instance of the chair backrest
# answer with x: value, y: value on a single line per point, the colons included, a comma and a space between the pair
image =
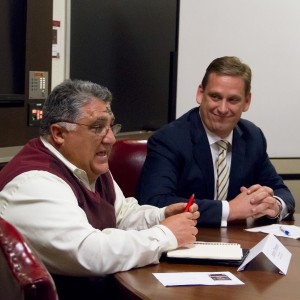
x: 125, y: 163
x: 22, y: 274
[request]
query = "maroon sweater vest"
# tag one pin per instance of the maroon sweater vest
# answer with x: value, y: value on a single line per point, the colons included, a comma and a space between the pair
x: 98, y: 205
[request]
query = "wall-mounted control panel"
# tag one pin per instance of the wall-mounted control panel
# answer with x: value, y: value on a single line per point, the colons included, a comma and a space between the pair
x: 35, y: 114
x: 38, y: 84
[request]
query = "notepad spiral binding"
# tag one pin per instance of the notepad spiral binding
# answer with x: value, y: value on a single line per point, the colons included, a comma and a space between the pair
x: 218, y: 243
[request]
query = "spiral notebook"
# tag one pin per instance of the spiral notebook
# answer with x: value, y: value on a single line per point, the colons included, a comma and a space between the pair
x: 208, y: 253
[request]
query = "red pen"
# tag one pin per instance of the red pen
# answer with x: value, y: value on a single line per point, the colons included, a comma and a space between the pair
x: 191, y: 201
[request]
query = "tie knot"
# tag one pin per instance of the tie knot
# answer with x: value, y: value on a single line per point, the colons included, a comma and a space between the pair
x: 223, y: 145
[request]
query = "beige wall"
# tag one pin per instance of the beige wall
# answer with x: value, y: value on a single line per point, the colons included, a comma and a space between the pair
x: 290, y: 166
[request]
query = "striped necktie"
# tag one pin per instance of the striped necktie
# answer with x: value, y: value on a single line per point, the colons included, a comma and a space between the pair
x: 222, y: 170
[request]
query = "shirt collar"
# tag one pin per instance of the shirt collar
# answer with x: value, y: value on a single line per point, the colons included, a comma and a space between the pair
x: 77, y: 172
x: 213, y: 138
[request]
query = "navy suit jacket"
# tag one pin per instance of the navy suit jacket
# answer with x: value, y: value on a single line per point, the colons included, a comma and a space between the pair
x: 179, y: 163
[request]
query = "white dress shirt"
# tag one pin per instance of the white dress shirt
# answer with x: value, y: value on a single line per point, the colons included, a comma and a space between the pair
x: 45, y: 210
x: 212, y: 139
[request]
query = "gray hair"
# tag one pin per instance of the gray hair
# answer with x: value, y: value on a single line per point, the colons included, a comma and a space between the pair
x: 65, y: 101
x: 231, y: 66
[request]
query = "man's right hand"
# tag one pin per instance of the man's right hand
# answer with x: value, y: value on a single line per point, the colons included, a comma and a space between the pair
x: 183, y: 226
x: 240, y: 206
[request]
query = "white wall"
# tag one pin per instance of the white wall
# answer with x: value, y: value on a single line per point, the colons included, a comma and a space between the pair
x: 264, y: 34
x: 60, y: 65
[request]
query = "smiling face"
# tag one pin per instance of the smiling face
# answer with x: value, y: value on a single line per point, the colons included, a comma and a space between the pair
x: 84, y: 146
x: 222, y: 103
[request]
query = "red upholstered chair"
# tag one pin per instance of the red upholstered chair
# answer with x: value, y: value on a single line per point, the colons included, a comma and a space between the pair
x: 22, y: 274
x: 125, y: 163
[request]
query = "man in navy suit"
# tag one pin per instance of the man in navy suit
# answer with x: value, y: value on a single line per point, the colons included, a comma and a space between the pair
x: 182, y: 155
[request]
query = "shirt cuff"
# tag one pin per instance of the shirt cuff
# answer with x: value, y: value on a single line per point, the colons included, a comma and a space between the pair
x: 284, y: 212
x: 225, y: 213
x: 166, y: 237
x: 162, y: 213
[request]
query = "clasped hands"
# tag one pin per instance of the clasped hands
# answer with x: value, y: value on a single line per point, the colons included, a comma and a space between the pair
x: 255, y: 201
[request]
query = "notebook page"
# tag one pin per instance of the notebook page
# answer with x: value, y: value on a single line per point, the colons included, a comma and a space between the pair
x: 208, y: 250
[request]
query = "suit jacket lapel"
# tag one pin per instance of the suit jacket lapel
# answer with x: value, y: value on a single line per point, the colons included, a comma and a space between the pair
x: 202, y: 153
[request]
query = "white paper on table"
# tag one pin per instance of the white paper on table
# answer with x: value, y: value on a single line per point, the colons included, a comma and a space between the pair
x: 294, y: 231
x: 197, y: 278
x: 273, y: 250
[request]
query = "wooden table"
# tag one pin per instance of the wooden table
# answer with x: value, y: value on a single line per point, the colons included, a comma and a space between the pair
x: 261, y: 278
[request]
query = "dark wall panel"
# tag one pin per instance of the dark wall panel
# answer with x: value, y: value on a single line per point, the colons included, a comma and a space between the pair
x: 14, y: 129
x: 126, y: 46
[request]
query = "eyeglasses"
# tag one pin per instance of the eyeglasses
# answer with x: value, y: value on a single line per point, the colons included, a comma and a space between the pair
x: 99, y: 129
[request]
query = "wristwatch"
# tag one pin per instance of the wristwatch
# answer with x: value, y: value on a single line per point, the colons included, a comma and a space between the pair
x: 279, y: 210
